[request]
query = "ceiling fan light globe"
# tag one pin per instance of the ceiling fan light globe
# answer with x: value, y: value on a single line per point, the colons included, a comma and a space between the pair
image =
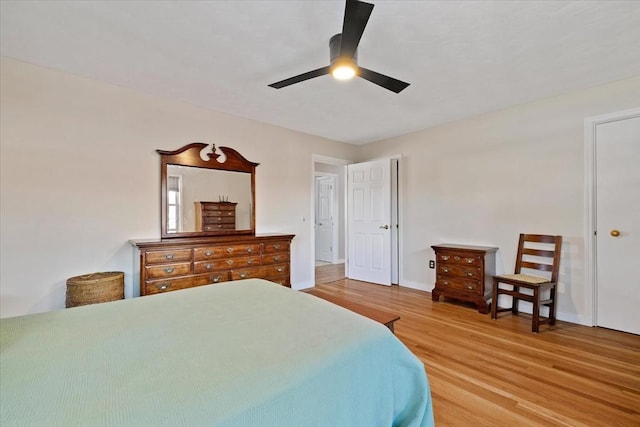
x: 343, y: 72
x: 343, y: 68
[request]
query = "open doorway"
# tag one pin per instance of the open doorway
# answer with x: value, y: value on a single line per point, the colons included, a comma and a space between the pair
x: 329, y: 219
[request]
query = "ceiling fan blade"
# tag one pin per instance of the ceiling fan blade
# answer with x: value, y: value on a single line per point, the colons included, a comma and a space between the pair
x: 394, y: 85
x: 301, y: 77
x: 356, y: 16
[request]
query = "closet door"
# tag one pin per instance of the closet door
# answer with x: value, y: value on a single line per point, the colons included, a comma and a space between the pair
x: 618, y: 224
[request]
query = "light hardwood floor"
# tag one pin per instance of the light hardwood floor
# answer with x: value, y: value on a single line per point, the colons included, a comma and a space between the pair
x: 487, y: 372
x: 329, y: 273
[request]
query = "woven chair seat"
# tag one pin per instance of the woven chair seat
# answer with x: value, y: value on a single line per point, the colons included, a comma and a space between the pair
x: 524, y: 278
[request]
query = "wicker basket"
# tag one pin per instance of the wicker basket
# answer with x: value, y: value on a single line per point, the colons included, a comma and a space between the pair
x: 94, y: 288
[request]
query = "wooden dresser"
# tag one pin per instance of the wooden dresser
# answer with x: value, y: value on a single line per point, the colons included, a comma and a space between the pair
x: 215, y: 216
x: 465, y: 273
x: 172, y: 264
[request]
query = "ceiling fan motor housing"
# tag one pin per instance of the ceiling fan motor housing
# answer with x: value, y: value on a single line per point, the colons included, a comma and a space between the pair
x: 334, y: 50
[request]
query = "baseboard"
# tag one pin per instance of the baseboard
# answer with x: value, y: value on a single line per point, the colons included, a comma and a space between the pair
x: 416, y: 285
x: 527, y: 308
x: 303, y: 285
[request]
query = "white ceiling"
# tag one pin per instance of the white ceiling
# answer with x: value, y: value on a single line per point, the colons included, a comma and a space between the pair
x: 462, y: 58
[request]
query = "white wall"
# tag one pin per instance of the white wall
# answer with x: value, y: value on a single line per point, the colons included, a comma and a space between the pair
x: 486, y: 179
x: 80, y: 177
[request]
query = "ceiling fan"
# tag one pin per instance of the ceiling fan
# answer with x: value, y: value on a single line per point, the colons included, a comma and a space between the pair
x: 343, y: 49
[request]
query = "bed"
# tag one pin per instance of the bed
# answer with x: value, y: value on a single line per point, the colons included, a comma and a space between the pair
x: 243, y: 353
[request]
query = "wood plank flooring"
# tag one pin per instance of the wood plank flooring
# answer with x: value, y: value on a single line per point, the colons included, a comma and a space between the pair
x: 486, y: 372
x: 329, y: 273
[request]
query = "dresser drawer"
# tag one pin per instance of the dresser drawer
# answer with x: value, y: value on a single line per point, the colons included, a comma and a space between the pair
x: 457, y: 258
x: 216, y: 212
x: 219, y: 207
x: 469, y: 272
x: 460, y: 284
x: 216, y: 252
x: 214, y: 227
x: 241, y: 250
x: 248, y: 273
x: 275, y: 258
x: 276, y: 270
x: 218, y: 219
x: 168, y: 270
x: 283, y: 281
x: 225, y: 264
x: 158, y: 286
x: 270, y: 248
x: 163, y: 257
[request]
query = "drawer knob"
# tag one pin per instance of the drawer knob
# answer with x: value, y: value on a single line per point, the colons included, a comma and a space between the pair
x: 244, y: 275
x: 445, y: 269
x: 445, y: 282
x: 219, y: 226
x: 276, y: 246
x: 215, y: 279
x: 276, y: 258
x: 279, y: 269
x: 208, y: 253
x: 229, y: 213
x: 470, y: 260
x: 229, y: 250
x: 169, y: 256
x: 457, y: 258
x: 249, y: 250
x: 469, y: 287
x: 445, y: 257
x: 169, y: 270
x: 163, y: 286
x: 229, y: 262
x: 249, y: 261
x: 208, y: 266
x: 469, y: 273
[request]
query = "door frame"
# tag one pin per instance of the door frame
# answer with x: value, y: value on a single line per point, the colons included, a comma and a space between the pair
x: 335, y: 216
x: 320, y: 158
x: 590, y: 124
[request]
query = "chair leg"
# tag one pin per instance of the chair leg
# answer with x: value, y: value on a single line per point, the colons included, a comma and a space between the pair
x: 552, y: 306
x: 494, y: 299
x: 514, y: 304
x: 536, y: 311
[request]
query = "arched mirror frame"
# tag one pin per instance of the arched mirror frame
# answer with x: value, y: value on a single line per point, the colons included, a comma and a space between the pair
x: 189, y: 155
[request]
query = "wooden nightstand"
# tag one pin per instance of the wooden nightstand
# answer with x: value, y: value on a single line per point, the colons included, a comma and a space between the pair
x: 465, y: 273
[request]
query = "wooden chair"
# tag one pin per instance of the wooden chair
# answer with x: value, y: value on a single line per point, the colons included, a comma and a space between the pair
x: 539, y: 254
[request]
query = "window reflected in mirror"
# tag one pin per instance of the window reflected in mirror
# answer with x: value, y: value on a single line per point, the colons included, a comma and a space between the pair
x: 207, y: 200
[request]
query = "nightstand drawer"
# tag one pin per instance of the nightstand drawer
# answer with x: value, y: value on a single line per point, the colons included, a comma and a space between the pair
x: 457, y: 283
x: 469, y: 272
x: 458, y: 258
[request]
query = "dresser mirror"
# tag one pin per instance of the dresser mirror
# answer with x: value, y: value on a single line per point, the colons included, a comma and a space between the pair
x: 206, y: 191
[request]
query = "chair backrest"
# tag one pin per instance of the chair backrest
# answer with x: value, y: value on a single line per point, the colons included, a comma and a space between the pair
x: 539, y: 252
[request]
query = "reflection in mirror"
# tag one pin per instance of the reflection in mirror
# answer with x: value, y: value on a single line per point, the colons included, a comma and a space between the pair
x: 194, y: 196
x: 196, y: 181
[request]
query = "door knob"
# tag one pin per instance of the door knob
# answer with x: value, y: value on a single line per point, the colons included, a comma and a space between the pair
x: 386, y: 227
x: 615, y: 233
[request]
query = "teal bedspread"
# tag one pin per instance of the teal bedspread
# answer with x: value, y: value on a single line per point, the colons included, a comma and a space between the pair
x: 247, y: 353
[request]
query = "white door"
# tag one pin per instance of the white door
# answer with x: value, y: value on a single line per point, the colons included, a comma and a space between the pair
x: 325, y: 187
x: 369, y: 221
x: 618, y: 224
